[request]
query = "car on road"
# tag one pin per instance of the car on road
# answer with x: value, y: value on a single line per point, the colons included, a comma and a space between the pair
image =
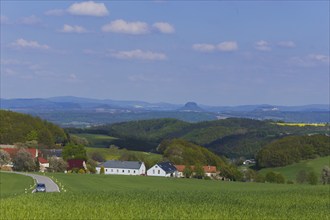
x: 41, y: 187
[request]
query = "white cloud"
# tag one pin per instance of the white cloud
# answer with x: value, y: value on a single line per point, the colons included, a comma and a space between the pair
x: 121, y: 26
x: 55, y: 12
x: 31, y: 20
x: 22, y: 43
x: 204, y: 47
x: 89, y: 8
x: 9, y: 72
x: 319, y: 58
x: 310, y: 60
x: 4, y: 19
x: 138, y: 54
x: 262, y: 46
x: 228, y: 46
x: 286, y: 44
x: 164, y: 27
x: 73, y: 29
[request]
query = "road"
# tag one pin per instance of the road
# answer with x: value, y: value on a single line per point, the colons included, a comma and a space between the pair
x: 50, y: 185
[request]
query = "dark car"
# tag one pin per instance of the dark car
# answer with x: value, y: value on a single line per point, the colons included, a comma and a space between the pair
x: 41, y: 187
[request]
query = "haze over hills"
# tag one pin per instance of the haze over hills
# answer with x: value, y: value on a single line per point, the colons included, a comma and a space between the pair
x: 77, y: 111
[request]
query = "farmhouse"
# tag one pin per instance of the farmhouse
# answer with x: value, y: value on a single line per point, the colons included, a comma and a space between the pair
x: 13, y: 151
x: 44, y: 164
x: 165, y: 169
x: 122, y: 167
x: 210, y: 171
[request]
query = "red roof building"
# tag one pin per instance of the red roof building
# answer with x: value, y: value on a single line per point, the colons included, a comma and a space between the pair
x: 76, y: 163
x: 209, y: 170
x: 13, y: 151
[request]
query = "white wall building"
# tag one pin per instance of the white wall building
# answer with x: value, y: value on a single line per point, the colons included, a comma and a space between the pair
x: 117, y: 167
x: 165, y: 169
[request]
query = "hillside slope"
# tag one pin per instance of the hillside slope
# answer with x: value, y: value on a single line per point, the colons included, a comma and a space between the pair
x: 232, y: 137
x: 17, y: 127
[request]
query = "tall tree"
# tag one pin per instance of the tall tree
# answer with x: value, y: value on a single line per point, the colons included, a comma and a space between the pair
x: 24, y: 161
x: 4, y: 158
x: 72, y: 151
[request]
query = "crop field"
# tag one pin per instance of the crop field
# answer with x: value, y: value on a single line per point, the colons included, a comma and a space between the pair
x: 136, y: 197
x: 14, y: 184
x: 302, y: 124
x: 290, y: 171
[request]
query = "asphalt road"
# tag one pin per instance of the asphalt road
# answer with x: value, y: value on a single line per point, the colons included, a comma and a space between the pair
x: 50, y: 185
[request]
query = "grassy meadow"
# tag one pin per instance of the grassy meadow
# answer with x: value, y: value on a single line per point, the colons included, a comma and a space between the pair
x: 290, y: 172
x: 138, y: 197
x: 115, y: 154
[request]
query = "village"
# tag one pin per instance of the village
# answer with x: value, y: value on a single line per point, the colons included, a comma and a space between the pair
x: 110, y: 167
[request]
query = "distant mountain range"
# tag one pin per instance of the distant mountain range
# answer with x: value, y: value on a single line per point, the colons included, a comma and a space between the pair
x: 99, y: 111
x: 76, y: 103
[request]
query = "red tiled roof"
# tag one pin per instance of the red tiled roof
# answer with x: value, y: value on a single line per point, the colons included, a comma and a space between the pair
x: 13, y: 151
x: 42, y: 160
x: 207, y: 169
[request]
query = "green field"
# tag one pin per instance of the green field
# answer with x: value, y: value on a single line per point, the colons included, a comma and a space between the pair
x: 115, y: 154
x: 12, y: 184
x: 97, y: 140
x: 290, y: 171
x: 138, y: 197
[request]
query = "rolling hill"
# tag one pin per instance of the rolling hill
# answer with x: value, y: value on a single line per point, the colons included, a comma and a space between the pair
x: 232, y: 137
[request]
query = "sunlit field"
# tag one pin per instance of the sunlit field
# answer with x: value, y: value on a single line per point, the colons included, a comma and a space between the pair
x: 135, y: 197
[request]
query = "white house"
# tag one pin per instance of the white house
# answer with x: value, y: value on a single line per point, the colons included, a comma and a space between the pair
x: 122, y: 167
x: 43, y: 163
x: 165, y: 169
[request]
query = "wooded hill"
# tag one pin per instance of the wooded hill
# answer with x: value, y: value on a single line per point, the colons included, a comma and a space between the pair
x: 293, y: 149
x: 232, y: 137
x: 17, y: 127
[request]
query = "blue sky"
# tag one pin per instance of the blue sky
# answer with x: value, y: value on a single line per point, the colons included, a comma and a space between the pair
x: 211, y: 52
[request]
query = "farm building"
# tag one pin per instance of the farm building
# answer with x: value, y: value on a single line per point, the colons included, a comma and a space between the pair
x: 122, y: 167
x: 76, y: 164
x: 44, y: 164
x: 165, y: 169
x: 210, y: 171
x: 13, y: 151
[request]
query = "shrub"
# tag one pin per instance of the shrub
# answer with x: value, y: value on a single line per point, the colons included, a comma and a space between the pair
x: 81, y: 171
x: 102, y: 170
x: 312, y: 178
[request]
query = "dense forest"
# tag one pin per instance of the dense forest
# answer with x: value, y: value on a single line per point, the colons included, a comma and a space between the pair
x: 232, y: 137
x: 17, y: 127
x: 292, y: 149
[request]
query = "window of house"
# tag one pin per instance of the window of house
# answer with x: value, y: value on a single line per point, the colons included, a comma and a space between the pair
x: 123, y: 171
x: 158, y: 171
x: 153, y: 171
x: 117, y: 171
x: 111, y: 170
x: 128, y: 171
x: 134, y: 171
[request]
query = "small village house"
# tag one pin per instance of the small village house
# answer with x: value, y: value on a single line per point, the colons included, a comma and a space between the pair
x: 164, y: 169
x: 122, y: 167
x: 210, y: 171
x: 43, y: 163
